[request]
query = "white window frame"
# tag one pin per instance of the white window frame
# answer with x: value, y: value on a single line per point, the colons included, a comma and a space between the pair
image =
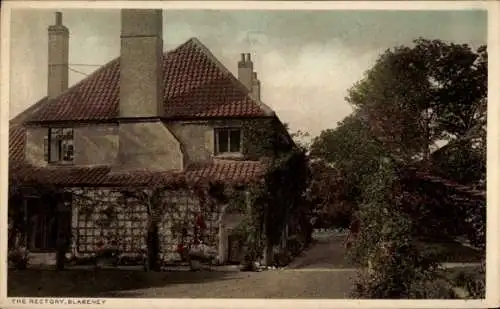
x: 228, y: 130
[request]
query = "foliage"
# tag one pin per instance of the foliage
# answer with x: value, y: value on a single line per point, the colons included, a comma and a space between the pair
x: 461, y: 162
x: 279, y: 199
x: 394, y: 266
x: 414, y: 96
x: 265, y: 138
x: 328, y: 196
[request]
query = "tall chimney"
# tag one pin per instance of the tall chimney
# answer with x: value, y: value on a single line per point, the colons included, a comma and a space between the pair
x: 141, y: 74
x: 245, y: 69
x: 58, y: 58
x: 255, y: 86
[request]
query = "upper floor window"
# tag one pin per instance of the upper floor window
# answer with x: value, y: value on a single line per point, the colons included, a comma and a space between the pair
x: 227, y: 140
x: 58, y: 146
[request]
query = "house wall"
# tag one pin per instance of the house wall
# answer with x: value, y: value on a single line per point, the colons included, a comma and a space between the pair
x: 96, y: 144
x: 34, y: 146
x: 148, y: 145
x: 153, y: 145
x: 197, y: 137
x: 93, y: 144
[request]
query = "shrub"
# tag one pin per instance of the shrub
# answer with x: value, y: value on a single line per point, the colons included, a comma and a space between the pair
x: 394, y: 266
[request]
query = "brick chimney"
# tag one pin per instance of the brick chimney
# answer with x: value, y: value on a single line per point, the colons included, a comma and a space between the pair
x: 58, y: 58
x: 145, y: 142
x: 245, y: 70
x: 141, y: 74
x: 255, y: 86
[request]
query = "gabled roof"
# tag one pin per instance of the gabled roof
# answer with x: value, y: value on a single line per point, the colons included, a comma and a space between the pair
x: 197, y: 85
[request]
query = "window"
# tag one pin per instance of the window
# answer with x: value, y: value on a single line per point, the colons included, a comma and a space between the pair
x: 58, y: 145
x: 227, y: 140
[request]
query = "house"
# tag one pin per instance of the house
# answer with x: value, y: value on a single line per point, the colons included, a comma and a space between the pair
x: 141, y: 120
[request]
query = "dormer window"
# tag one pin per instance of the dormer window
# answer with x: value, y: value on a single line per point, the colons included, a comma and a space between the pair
x: 59, y: 146
x: 227, y: 141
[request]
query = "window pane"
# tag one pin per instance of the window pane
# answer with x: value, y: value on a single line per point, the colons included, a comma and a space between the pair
x: 235, y: 140
x: 54, y: 151
x: 67, y: 133
x: 60, y: 144
x: 223, y: 139
x: 68, y: 151
x: 55, y: 132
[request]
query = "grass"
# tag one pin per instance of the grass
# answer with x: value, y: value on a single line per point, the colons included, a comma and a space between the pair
x: 454, y: 252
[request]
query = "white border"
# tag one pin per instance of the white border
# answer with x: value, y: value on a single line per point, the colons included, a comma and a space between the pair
x: 493, y: 252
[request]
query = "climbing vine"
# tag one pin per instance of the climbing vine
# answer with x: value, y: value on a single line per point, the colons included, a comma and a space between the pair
x: 273, y: 203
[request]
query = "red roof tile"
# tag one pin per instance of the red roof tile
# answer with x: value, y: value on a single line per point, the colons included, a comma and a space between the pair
x: 196, y: 85
x: 225, y: 171
x: 17, y: 136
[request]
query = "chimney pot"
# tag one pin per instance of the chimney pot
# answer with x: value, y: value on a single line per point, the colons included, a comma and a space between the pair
x: 248, y: 57
x: 58, y: 18
x: 242, y: 57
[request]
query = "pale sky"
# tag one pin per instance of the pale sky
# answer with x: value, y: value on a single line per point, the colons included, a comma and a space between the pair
x: 306, y: 60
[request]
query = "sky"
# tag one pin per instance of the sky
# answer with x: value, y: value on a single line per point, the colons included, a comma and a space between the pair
x: 306, y: 60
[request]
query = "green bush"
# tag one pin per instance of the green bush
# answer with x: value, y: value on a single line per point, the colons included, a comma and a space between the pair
x: 394, y: 265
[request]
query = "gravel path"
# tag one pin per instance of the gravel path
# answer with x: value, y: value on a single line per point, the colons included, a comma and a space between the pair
x: 267, y: 284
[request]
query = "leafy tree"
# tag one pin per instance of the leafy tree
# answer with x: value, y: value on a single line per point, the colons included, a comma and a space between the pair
x: 344, y: 159
x: 351, y: 149
x: 327, y: 195
x: 412, y: 98
x: 415, y: 96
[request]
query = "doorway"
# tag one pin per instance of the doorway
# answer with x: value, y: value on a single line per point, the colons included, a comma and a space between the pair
x: 45, y: 221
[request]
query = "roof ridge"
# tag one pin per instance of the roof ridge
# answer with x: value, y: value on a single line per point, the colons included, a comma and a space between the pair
x: 45, y: 107
x: 233, y: 78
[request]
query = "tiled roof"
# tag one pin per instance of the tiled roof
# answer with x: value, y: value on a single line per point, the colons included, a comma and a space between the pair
x: 17, y: 135
x: 196, y: 85
x: 234, y: 172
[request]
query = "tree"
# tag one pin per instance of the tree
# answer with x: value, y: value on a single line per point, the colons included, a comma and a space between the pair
x: 412, y: 98
x: 415, y: 96
x: 327, y: 195
x: 351, y: 154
